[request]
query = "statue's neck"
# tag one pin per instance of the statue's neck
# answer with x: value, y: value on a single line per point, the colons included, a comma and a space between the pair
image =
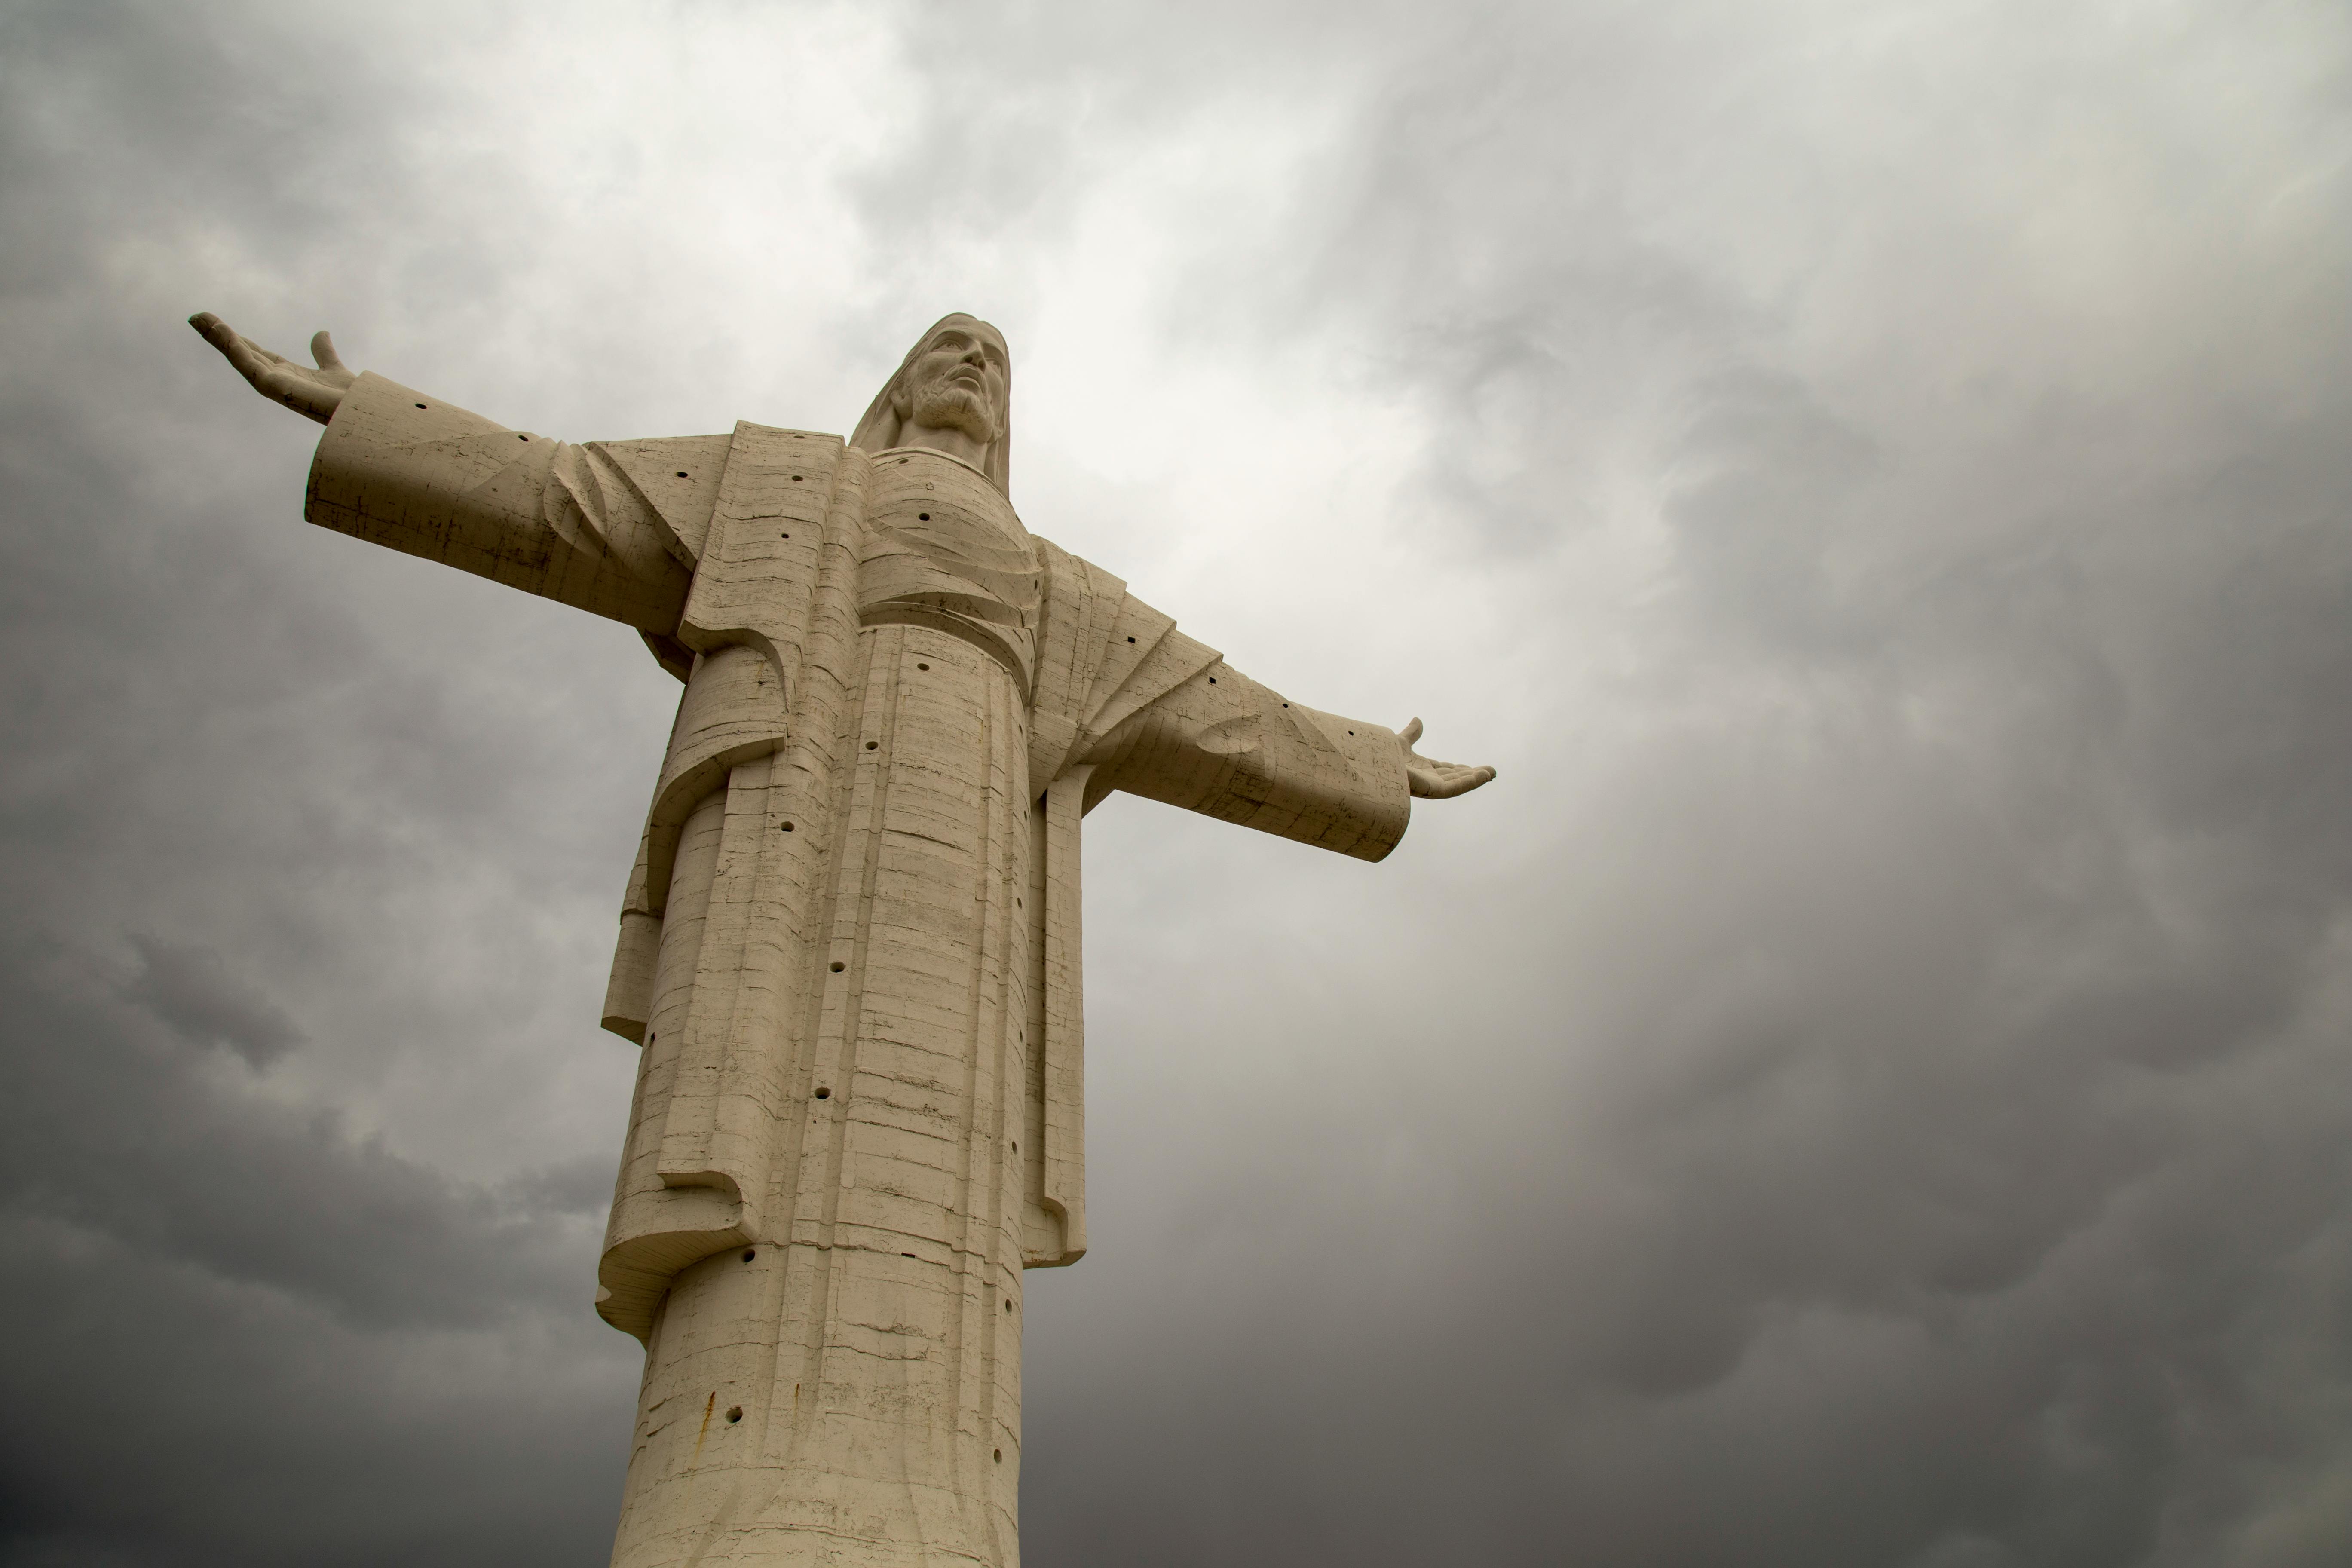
x: 904, y: 447
x: 957, y: 444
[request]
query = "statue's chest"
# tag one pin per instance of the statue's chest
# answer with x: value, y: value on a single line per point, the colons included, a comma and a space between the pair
x: 943, y: 548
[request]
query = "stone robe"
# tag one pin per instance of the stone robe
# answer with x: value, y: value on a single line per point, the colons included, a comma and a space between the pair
x: 850, y: 946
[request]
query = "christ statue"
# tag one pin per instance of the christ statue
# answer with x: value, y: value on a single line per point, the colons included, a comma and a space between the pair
x: 849, y: 951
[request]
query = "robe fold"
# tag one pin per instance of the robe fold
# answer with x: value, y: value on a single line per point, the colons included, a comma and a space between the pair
x: 850, y: 944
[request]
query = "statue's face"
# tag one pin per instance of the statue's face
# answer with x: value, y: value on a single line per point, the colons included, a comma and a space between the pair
x: 956, y: 382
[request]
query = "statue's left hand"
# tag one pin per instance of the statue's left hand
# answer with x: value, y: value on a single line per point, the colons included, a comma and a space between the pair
x: 314, y: 393
x: 1435, y: 780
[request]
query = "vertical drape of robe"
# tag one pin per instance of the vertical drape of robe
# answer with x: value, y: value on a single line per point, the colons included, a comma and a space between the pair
x: 850, y: 943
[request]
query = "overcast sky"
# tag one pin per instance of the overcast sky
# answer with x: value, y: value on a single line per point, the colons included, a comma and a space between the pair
x: 1870, y: 1086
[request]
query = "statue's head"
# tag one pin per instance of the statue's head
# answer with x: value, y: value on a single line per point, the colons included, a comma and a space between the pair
x: 957, y: 377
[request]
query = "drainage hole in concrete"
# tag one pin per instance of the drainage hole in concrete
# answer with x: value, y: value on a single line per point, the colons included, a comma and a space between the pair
x: 824, y: 1094
x: 999, y: 1456
x: 735, y: 1413
x: 750, y: 1253
x: 877, y: 745
x: 838, y: 966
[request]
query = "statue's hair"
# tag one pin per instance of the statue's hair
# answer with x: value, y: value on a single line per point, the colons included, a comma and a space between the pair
x: 883, y: 425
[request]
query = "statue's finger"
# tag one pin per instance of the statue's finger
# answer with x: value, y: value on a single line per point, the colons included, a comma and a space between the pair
x: 215, y: 332
x: 1444, y: 780
x: 322, y: 349
x: 251, y: 359
x: 1410, y: 732
x: 1472, y: 778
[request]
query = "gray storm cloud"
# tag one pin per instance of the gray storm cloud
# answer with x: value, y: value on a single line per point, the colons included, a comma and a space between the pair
x: 1867, y: 1086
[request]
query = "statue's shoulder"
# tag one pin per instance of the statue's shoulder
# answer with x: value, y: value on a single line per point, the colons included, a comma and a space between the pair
x: 692, y: 480
x: 754, y: 452
x: 780, y: 438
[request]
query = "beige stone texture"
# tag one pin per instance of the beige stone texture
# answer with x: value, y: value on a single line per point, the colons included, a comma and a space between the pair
x: 850, y: 946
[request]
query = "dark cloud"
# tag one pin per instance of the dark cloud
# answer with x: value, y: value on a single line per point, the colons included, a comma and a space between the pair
x: 1867, y: 1086
x: 245, y: 1333
x: 191, y: 989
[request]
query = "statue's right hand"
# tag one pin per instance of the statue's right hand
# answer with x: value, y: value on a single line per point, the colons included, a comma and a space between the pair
x: 1432, y: 780
x: 314, y: 393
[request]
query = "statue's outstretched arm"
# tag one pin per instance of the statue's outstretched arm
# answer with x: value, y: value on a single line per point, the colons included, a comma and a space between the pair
x: 1224, y: 745
x: 614, y: 529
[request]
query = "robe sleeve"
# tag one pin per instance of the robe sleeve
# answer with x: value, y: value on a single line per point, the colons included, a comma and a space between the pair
x: 610, y: 528
x: 1222, y: 744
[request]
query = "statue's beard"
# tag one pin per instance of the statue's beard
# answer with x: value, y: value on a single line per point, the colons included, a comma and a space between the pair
x: 951, y: 406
